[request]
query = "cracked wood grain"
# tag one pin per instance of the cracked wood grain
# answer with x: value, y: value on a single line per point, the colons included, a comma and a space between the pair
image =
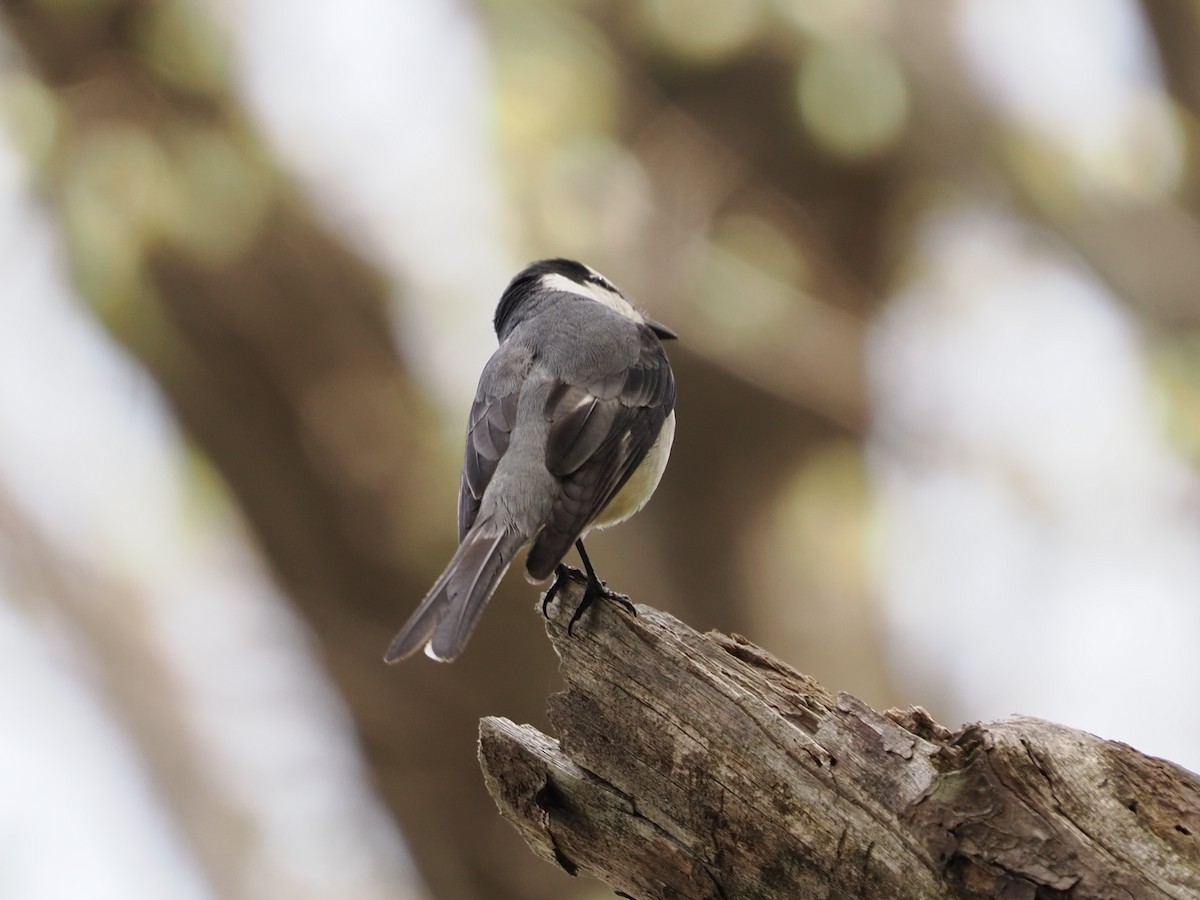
x: 700, y: 766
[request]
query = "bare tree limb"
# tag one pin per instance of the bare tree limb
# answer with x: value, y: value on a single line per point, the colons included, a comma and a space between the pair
x: 700, y: 766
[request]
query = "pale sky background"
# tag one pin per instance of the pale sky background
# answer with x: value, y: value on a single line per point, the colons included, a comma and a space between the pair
x: 1015, y: 452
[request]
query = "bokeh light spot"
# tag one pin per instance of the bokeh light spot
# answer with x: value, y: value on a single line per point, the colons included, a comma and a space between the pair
x: 852, y: 99
x: 702, y: 31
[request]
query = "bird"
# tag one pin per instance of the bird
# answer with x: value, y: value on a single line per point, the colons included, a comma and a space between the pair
x: 571, y: 428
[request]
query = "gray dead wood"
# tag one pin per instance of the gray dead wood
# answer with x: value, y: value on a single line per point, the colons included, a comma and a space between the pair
x: 700, y: 766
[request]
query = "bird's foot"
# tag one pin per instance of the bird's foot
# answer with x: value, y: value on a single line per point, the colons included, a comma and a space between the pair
x: 561, y: 572
x: 595, y: 590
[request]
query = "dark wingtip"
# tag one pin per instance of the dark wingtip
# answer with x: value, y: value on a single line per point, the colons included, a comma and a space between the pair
x: 396, y: 653
x: 415, y: 634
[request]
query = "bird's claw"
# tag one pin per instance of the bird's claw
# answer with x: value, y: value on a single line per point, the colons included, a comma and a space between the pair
x: 561, y: 571
x: 596, y: 590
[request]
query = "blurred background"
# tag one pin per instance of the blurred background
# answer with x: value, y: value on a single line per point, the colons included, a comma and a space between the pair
x: 933, y: 266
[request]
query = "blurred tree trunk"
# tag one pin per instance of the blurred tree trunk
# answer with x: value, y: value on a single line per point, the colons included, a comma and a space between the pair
x: 273, y: 345
x: 701, y: 766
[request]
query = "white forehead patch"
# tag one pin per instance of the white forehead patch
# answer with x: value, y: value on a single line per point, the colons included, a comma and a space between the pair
x: 591, y: 290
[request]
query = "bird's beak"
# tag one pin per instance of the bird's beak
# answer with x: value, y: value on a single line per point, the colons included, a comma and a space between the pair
x: 664, y: 333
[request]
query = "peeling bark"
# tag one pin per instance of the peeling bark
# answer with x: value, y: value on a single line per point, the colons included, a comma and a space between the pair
x: 701, y: 766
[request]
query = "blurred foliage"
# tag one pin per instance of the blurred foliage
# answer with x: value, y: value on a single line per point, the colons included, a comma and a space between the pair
x: 1175, y: 374
x: 32, y: 116
x: 180, y: 43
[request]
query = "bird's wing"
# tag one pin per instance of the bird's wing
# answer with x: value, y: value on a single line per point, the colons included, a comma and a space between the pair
x: 490, y: 425
x: 488, y: 432
x: 600, y: 431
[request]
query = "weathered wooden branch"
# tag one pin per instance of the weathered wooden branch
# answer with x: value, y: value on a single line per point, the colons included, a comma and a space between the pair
x: 700, y: 766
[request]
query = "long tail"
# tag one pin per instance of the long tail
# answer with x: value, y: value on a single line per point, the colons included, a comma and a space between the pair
x: 448, y: 614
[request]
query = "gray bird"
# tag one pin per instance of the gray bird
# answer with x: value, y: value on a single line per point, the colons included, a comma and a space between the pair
x: 570, y: 430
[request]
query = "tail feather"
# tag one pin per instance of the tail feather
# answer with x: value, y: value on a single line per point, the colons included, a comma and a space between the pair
x: 448, y: 614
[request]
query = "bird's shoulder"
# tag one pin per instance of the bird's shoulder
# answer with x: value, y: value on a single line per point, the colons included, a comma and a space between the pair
x: 584, y: 345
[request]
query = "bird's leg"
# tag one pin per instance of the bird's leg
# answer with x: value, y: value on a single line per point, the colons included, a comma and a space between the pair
x: 595, y: 588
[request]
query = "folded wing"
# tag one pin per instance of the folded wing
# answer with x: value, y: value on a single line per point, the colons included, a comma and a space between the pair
x: 489, y: 430
x: 600, y: 432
